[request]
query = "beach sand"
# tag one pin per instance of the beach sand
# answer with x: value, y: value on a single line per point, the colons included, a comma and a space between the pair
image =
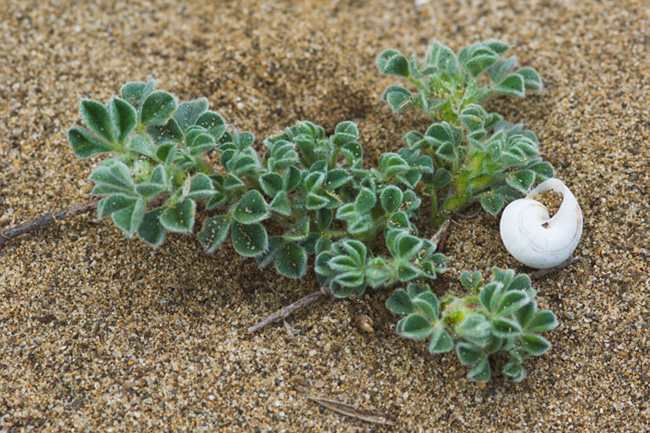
x: 102, y: 333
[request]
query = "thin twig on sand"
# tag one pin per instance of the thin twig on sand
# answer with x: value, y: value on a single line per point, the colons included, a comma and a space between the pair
x: 349, y: 410
x: 46, y: 220
x: 286, y: 311
x: 441, y: 236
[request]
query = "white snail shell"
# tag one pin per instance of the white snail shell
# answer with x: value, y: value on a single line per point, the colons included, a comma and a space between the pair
x: 535, y: 239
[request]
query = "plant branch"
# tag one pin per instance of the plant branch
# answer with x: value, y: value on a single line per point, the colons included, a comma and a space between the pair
x: 46, y: 220
x: 286, y: 311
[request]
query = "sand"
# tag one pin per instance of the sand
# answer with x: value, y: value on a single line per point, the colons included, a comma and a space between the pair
x: 100, y: 333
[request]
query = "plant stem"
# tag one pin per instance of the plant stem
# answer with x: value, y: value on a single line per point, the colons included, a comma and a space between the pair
x: 286, y: 311
x: 46, y: 220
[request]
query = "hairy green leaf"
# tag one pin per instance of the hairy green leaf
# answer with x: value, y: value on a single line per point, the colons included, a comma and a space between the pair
x: 157, y: 108
x: 414, y: 326
x: 179, y: 217
x: 251, y: 208
x: 150, y: 229
x: 291, y: 260
x: 249, y: 240
x: 84, y: 144
x: 97, y: 119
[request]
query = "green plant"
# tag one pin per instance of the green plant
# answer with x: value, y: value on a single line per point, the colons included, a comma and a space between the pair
x: 499, y: 318
x: 309, y: 194
x: 478, y: 157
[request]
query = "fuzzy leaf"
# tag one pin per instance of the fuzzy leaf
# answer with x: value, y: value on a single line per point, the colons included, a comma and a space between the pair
x: 520, y: 282
x: 513, y: 84
x: 142, y: 145
x: 251, y: 208
x: 233, y: 182
x: 427, y: 303
x: 123, y: 118
x: 324, y: 218
x: 249, y: 240
x: 492, y: 203
x: 468, y: 354
x: 399, y: 98
x: 408, y: 246
x: 534, y: 344
x: 213, y: 123
x: 497, y: 46
x: 482, y: 58
x: 157, y: 108
x: 543, y: 170
x: 97, y: 119
x: 490, y: 294
x: 291, y: 260
x: 514, y: 372
x: 280, y: 204
x: 292, y: 178
x: 414, y: 326
x: 400, y: 303
x: 298, y: 232
x: 117, y: 176
x: 441, y: 341
x: 84, y: 144
x: 482, y: 371
x: 526, y: 313
x: 407, y: 271
x: 179, y: 217
x: 505, y: 328
x: 512, y: 301
x: 200, y: 187
x: 391, y: 198
x: 474, y: 328
x: 365, y: 201
x: 271, y: 183
x: 521, y: 181
x: 543, y: 321
x: 471, y: 281
x: 399, y: 221
x: 532, y: 81
x: 149, y: 189
x: 150, y: 230
x: 130, y: 218
x: 315, y: 201
x: 351, y: 279
x: 114, y: 203
x: 215, y: 230
x: 189, y: 112
x: 393, y: 62
x: 136, y: 92
x: 441, y: 178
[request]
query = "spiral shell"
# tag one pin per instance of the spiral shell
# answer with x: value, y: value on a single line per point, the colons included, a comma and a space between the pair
x: 535, y: 239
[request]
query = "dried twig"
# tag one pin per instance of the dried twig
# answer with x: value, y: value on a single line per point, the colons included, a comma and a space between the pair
x: 443, y: 228
x: 46, y: 220
x: 286, y: 311
x: 346, y: 409
x: 468, y: 216
x: 543, y: 272
x: 441, y: 236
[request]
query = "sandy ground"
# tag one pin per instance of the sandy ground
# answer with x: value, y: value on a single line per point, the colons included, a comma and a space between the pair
x: 100, y: 333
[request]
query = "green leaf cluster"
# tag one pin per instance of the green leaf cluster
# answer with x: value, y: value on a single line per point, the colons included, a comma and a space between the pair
x: 157, y: 169
x: 446, y: 83
x: 305, y: 195
x: 499, y: 318
x: 477, y: 156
